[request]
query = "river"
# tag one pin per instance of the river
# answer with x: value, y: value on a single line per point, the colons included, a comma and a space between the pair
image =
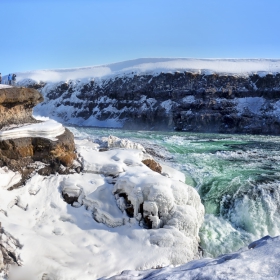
x: 237, y: 177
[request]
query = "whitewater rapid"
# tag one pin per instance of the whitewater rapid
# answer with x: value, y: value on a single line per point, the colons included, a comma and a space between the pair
x: 237, y: 177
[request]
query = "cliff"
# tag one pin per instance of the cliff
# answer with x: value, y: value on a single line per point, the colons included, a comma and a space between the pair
x: 183, y: 101
x: 28, y: 145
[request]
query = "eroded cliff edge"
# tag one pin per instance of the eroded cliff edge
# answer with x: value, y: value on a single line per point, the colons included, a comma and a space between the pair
x: 28, y: 145
x: 16, y: 105
x: 180, y: 101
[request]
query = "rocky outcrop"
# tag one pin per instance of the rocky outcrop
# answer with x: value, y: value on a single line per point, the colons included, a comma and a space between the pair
x: 24, y: 154
x: 182, y: 101
x: 16, y: 105
x: 38, y: 151
x: 9, y: 247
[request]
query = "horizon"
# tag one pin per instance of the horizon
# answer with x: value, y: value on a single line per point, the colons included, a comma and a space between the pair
x: 140, y: 58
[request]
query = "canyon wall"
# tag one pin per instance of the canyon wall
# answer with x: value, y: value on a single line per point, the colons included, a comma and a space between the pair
x: 181, y: 101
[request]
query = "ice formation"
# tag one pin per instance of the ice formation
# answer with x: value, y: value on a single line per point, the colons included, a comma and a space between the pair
x: 160, y: 201
x: 115, y: 142
x: 116, y: 207
x: 47, y: 129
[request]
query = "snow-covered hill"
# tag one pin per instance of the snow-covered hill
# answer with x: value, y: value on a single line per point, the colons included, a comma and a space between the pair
x: 158, y: 65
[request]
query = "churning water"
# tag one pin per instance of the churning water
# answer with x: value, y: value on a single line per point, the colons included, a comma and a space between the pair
x: 237, y: 177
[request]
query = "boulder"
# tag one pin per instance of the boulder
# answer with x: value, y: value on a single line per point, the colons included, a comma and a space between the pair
x: 153, y: 165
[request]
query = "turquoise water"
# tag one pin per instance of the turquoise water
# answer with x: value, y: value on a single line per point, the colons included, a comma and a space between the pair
x: 237, y: 177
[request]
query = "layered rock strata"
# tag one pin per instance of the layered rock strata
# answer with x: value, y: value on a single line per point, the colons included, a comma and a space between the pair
x: 181, y: 101
x: 16, y: 105
x: 26, y: 144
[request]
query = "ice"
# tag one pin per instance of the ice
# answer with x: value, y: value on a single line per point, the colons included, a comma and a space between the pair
x: 167, y: 105
x: 79, y: 240
x: 170, y: 172
x: 47, y: 129
x: 115, y: 142
x: 251, y: 104
x: 165, y: 202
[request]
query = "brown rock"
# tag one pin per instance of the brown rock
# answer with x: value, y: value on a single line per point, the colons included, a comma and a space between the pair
x: 152, y: 164
x: 20, y: 154
x: 16, y: 105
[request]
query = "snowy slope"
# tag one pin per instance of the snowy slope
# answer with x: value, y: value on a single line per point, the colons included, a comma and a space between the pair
x: 96, y: 237
x: 157, y: 65
x: 259, y: 261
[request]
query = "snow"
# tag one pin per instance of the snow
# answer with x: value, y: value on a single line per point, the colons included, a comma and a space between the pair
x: 5, y: 86
x: 96, y: 238
x: 260, y: 260
x: 167, y: 105
x: 8, y: 177
x: 189, y: 99
x: 47, y: 129
x: 155, y: 66
x: 172, y: 173
x: 93, y: 121
x: 252, y: 104
x: 115, y: 142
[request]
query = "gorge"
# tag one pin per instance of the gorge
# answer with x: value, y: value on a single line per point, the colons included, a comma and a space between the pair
x: 118, y: 198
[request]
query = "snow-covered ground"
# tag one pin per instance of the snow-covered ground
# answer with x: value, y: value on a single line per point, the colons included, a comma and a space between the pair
x: 95, y: 237
x: 259, y: 261
x: 155, y: 66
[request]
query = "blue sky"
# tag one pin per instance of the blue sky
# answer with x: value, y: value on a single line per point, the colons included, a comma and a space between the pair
x: 50, y: 34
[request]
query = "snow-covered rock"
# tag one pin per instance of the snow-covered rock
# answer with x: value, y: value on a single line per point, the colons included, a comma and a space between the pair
x: 161, y: 202
x: 218, y: 95
x: 115, y: 142
x: 172, y: 173
x: 260, y: 260
x: 79, y: 240
x: 49, y: 129
x: 9, y: 252
x: 25, y: 140
x: 8, y: 177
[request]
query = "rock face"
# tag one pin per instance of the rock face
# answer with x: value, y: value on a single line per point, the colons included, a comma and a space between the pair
x: 28, y: 154
x: 182, y: 101
x: 16, y: 105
